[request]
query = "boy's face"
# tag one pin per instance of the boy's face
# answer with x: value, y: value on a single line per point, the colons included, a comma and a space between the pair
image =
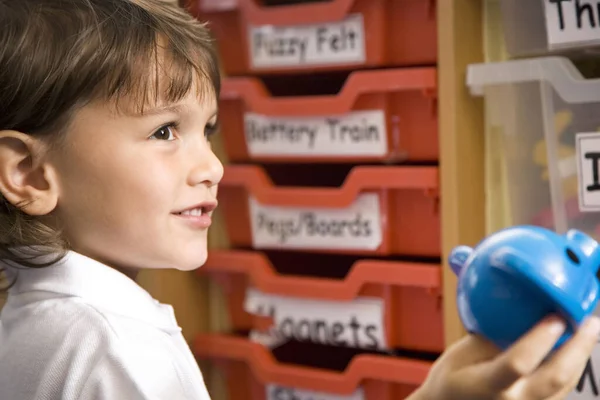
x: 124, y: 181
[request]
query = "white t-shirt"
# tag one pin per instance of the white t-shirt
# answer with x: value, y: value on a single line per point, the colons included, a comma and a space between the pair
x: 81, y: 330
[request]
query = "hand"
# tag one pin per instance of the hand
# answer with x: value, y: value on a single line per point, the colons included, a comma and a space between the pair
x: 474, y: 369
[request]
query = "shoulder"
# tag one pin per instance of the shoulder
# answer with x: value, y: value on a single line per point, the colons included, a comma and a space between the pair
x: 39, y: 320
x: 74, y: 326
x: 92, y: 354
x: 52, y: 341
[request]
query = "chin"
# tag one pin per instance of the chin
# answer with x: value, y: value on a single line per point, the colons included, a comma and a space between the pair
x: 192, y: 261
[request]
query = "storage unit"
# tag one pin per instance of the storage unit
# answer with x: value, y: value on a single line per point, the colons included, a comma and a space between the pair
x: 460, y: 129
x: 544, y: 27
x: 544, y: 115
x: 253, y: 373
x: 381, y: 115
x: 316, y: 36
x: 377, y: 210
x: 394, y: 305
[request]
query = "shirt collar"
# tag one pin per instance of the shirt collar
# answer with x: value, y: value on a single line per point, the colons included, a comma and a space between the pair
x: 98, y: 285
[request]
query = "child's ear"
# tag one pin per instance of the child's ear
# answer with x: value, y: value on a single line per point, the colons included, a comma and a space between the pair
x: 26, y: 181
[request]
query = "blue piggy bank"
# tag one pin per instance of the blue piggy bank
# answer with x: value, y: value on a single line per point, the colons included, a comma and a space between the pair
x: 517, y: 276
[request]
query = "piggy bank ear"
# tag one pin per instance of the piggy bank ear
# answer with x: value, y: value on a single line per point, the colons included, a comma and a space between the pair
x: 458, y: 257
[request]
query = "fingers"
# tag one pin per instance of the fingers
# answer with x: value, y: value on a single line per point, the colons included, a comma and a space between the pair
x: 525, y: 355
x: 563, y: 370
x: 471, y: 349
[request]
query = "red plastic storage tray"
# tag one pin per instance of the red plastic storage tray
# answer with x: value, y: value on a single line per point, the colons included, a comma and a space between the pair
x: 392, y: 305
x: 250, y: 371
x: 380, y: 210
x: 381, y: 115
x: 316, y: 36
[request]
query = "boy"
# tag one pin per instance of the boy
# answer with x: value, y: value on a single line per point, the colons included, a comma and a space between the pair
x: 106, y: 107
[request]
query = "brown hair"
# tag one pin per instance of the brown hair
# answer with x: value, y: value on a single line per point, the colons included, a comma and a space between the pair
x: 58, y: 55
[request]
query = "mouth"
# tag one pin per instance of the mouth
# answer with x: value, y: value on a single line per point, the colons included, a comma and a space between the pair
x: 198, y: 215
x: 198, y: 209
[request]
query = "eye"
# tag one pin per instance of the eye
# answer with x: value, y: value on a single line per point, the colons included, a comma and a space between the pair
x: 211, y: 129
x: 165, y: 132
x: 572, y: 256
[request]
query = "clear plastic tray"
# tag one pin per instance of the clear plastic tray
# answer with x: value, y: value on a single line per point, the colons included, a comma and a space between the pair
x: 536, y: 111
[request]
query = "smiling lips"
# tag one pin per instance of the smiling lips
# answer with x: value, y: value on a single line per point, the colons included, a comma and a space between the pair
x: 199, y: 215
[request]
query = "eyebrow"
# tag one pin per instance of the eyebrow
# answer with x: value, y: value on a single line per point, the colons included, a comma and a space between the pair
x: 215, y: 114
x: 174, y: 108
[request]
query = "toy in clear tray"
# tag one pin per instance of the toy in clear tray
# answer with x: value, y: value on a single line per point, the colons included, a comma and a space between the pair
x: 517, y: 276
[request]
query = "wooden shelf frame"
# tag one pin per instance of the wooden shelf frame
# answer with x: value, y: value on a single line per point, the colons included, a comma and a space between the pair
x: 461, y: 130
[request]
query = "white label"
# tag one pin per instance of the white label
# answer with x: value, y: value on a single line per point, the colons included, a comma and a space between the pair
x: 326, y: 44
x: 357, y: 323
x: 355, y: 227
x: 571, y: 22
x: 360, y: 133
x: 588, y: 387
x: 588, y: 170
x: 275, y: 392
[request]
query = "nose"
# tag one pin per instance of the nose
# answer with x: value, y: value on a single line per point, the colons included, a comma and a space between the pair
x: 207, y: 168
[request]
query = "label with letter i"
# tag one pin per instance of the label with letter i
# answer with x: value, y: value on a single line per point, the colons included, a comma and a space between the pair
x: 587, y: 146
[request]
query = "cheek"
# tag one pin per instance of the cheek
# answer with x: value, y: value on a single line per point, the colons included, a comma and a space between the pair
x: 145, y: 185
x: 119, y: 188
x: 125, y: 207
